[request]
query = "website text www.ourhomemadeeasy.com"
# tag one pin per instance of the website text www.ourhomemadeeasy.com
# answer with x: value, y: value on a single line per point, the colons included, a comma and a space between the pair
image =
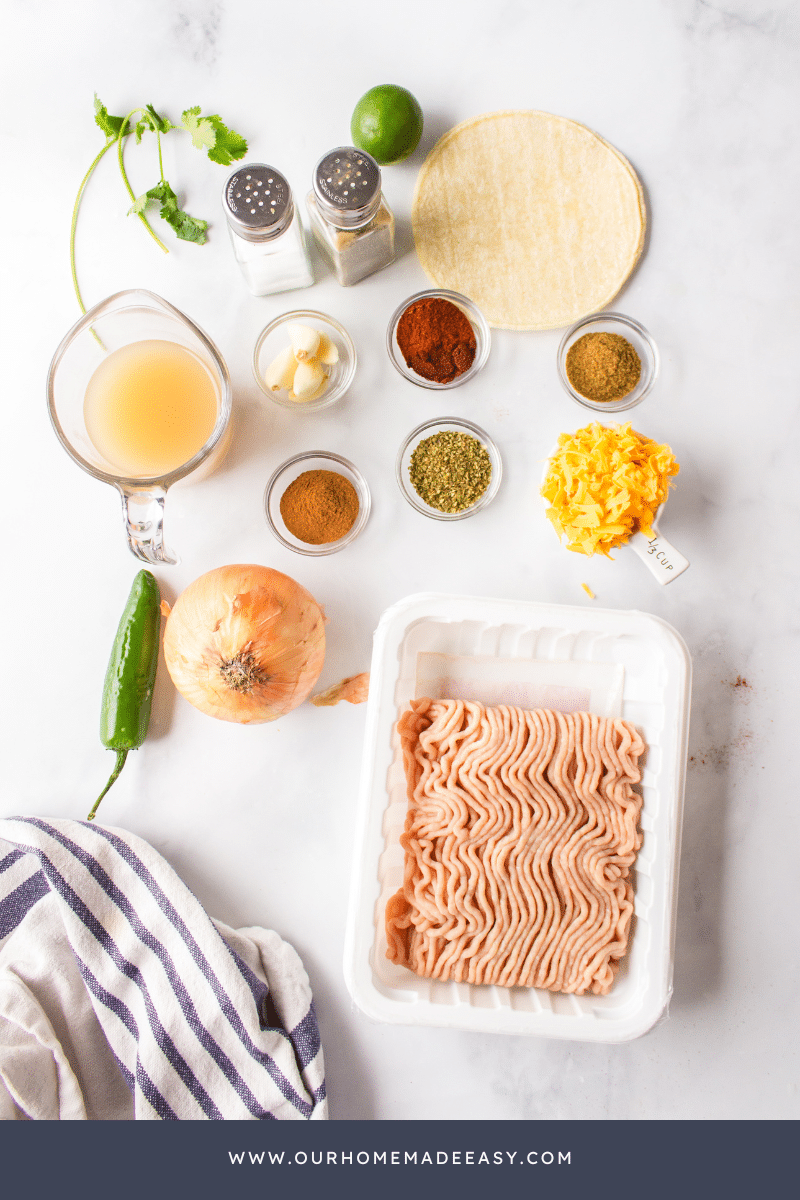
x: 400, y: 1158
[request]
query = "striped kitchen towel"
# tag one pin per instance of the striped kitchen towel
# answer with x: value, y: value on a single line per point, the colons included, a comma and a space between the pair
x: 121, y: 998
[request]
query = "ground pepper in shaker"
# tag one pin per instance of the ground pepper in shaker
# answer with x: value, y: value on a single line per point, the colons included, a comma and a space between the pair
x: 351, y: 222
x: 266, y: 231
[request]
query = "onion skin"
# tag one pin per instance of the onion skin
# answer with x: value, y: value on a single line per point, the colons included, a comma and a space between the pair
x: 245, y: 643
x: 354, y: 689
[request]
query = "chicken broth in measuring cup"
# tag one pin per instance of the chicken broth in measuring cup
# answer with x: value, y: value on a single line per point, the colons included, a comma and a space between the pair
x: 140, y: 398
x: 150, y: 407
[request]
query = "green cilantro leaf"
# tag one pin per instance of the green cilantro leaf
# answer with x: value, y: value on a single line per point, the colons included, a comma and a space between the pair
x: 150, y: 120
x: 110, y: 126
x: 222, y: 144
x: 158, y: 124
x: 139, y: 205
x: 229, y: 145
x: 203, y: 135
x: 188, y: 229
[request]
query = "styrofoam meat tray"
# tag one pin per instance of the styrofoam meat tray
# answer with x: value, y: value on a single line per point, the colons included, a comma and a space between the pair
x: 652, y: 664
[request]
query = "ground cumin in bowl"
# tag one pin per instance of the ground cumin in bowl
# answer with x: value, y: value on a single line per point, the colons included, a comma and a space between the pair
x: 607, y: 362
x: 438, y: 339
x: 316, y: 503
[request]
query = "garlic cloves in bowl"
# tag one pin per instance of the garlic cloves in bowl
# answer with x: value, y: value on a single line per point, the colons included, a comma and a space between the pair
x: 299, y: 369
x: 314, y: 341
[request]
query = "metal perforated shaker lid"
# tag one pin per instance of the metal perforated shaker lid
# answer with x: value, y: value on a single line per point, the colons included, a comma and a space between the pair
x: 258, y: 202
x: 347, y: 187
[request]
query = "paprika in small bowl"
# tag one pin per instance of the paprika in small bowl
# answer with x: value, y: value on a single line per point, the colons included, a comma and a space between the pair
x: 316, y: 503
x: 438, y: 339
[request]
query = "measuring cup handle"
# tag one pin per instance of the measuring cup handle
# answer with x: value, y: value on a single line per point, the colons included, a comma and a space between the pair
x: 662, y: 559
x: 143, y: 510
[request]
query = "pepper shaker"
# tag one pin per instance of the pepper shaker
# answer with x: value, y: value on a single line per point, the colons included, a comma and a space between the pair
x: 351, y: 222
x: 266, y: 231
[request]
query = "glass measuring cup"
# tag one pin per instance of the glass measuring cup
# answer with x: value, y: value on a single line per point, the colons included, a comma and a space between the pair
x: 121, y: 320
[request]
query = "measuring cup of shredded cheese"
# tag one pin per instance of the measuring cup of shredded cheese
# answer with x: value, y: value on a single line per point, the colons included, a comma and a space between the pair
x: 605, y: 486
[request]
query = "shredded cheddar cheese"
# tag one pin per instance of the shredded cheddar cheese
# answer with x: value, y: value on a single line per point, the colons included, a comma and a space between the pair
x: 605, y: 483
x: 588, y: 591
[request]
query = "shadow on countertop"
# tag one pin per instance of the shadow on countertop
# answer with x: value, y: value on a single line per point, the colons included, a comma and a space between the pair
x: 347, y: 1075
x: 721, y: 747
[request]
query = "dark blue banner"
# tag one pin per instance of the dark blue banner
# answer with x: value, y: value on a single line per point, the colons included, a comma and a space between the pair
x: 563, y: 1159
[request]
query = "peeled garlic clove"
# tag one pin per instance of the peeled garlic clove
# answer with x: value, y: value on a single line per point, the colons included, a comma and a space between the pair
x: 320, y: 389
x: 327, y: 351
x: 305, y: 341
x: 279, y: 375
x: 307, y: 379
x: 314, y: 395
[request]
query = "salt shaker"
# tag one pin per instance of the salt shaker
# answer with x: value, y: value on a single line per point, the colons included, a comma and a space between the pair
x: 350, y: 220
x: 266, y: 230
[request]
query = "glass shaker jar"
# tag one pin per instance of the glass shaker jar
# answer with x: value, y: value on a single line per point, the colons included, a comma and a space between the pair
x: 350, y: 220
x: 266, y: 231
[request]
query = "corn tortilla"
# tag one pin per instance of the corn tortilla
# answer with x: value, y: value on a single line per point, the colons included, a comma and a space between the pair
x: 536, y: 218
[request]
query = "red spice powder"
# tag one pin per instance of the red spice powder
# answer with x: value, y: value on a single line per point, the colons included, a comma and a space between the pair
x: 436, y: 339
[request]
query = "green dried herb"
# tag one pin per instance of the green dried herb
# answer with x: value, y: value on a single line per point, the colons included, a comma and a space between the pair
x: 450, y: 471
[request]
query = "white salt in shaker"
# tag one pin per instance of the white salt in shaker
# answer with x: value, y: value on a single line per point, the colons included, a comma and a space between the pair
x: 266, y: 230
x: 351, y: 222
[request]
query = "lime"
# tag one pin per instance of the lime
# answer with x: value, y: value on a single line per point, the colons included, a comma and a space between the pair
x: 387, y: 123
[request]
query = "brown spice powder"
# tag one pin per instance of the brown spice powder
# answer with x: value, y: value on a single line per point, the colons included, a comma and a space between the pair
x: 319, y: 507
x: 603, y: 366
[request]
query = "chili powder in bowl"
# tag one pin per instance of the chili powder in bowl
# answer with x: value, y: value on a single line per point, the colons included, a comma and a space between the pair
x: 607, y: 362
x: 438, y: 339
x: 316, y: 503
x: 449, y: 469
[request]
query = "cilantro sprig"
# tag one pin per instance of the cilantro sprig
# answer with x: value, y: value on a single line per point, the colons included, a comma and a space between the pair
x: 209, y: 133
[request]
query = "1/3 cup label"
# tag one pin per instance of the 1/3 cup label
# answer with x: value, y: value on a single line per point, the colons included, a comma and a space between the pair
x: 662, y: 555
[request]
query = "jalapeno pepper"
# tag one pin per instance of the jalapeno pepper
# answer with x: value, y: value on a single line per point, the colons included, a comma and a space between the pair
x: 131, y: 673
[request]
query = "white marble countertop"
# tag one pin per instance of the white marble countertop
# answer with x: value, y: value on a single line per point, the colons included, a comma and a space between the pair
x: 702, y: 98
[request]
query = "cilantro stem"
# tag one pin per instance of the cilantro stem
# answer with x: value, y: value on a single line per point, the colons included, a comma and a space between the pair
x: 73, y: 227
x: 120, y: 140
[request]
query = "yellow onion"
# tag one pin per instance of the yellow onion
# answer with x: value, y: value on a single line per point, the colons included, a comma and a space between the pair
x: 245, y: 643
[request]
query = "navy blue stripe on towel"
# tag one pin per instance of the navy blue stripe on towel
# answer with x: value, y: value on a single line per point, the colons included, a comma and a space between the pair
x: 305, y: 1038
x: 10, y: 859
x: 17, y: 904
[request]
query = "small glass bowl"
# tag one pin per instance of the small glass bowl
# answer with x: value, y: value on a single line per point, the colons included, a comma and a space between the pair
x: 634, y: 333
x: 314, y: 460
x: 474, y: 316
x: 273, y: 339
x: 441, y: 425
